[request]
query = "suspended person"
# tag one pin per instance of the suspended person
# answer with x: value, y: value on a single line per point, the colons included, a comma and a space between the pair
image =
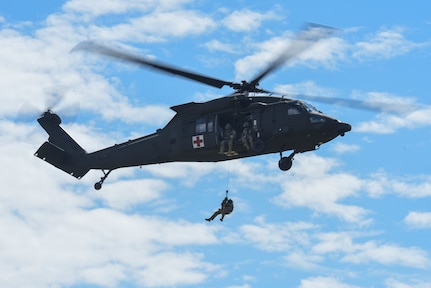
x: 225, y: 209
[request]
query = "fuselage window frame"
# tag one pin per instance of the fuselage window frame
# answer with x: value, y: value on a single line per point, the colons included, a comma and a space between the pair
x: 203, y: 125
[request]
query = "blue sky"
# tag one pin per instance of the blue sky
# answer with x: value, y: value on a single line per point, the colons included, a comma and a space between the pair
x: 355, y: 213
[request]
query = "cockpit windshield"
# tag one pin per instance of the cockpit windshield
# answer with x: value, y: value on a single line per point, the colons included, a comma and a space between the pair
x: 310, y: 108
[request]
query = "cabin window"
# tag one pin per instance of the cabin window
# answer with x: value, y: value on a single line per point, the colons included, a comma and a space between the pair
x: 201, y: 125
x: 210, y: 125
x: 205, y: 125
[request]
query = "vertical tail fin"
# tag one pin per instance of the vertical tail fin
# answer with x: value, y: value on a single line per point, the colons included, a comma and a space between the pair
x: 61, y: 150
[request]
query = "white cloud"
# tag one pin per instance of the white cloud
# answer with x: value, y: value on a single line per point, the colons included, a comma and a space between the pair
x: 305, y: 88
x: 321, y: 190
x: 388, y: 124
x: 334, y: 242
x: 240, y: 286
x: 173, y: 269
x: 276, y: 237
x: 387, y: 102
x: 418, y: 219
x: 44, y: 61
x: 394, y: 283
x: 100, y: 247
x: 94, y: 9
x: 329, y: 52
x: 397, y: 113
x: 187, y: 172
x: 266, y: 52
x: 342, y: 148
x: 388, y: 254
x: 128, y: 193
x: 380, y: 183
x: 216, y: 45
x: 370, y: 251
x: 306, y: 247
x: 246, y: 20
x: 305, y: 261
x: 324, y: 52
x: 149, y: 114
x: 324, y: 282
x: 385, y: 44
x: 56, y: 235
x: 156, y: 27
x: 241, y: 172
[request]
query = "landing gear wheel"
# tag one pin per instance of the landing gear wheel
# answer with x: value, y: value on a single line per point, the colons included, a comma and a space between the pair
x: 98, y: 185
x: 285, y: 163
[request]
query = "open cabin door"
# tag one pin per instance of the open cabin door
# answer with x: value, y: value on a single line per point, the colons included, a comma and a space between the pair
x: 239, y: 122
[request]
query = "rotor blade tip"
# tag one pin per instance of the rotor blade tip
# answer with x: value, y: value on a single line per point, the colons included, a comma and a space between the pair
x: 324, y: 28
x: 85, y: 45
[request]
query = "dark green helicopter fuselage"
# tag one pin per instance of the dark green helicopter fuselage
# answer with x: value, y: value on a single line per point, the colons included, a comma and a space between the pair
x: 196, y: 132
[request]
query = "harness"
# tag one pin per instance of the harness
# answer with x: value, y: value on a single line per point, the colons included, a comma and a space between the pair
x: 228, y: 204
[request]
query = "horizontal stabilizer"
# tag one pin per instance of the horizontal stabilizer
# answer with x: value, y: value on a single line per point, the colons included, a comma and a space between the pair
x: 60, y: 159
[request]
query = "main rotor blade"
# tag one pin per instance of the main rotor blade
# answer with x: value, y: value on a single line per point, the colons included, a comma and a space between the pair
x: 308, y: 36
x: 374, y: 105
x: 98, y: 48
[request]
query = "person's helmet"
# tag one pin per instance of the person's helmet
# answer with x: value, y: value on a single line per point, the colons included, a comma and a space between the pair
x: 228, y: 127
x: 246, y: 124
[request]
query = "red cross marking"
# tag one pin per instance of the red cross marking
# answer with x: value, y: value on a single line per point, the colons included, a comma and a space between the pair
x: 198, y: 141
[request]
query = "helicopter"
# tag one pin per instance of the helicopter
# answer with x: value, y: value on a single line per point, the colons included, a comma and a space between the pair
x: 210, y: 131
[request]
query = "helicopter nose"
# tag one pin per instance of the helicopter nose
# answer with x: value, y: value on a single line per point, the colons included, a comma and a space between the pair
x: 343, y: 128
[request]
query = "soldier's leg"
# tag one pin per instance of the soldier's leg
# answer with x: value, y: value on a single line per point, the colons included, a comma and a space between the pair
x: 214, y: 215
x: 222, y: 143
x: 230, y: 144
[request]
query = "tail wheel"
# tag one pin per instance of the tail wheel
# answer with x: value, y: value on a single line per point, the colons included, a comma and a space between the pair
x: 98, y: 185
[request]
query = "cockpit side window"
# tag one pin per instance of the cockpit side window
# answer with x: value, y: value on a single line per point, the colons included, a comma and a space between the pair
x: 309, y: 107
x: 293, y: 110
